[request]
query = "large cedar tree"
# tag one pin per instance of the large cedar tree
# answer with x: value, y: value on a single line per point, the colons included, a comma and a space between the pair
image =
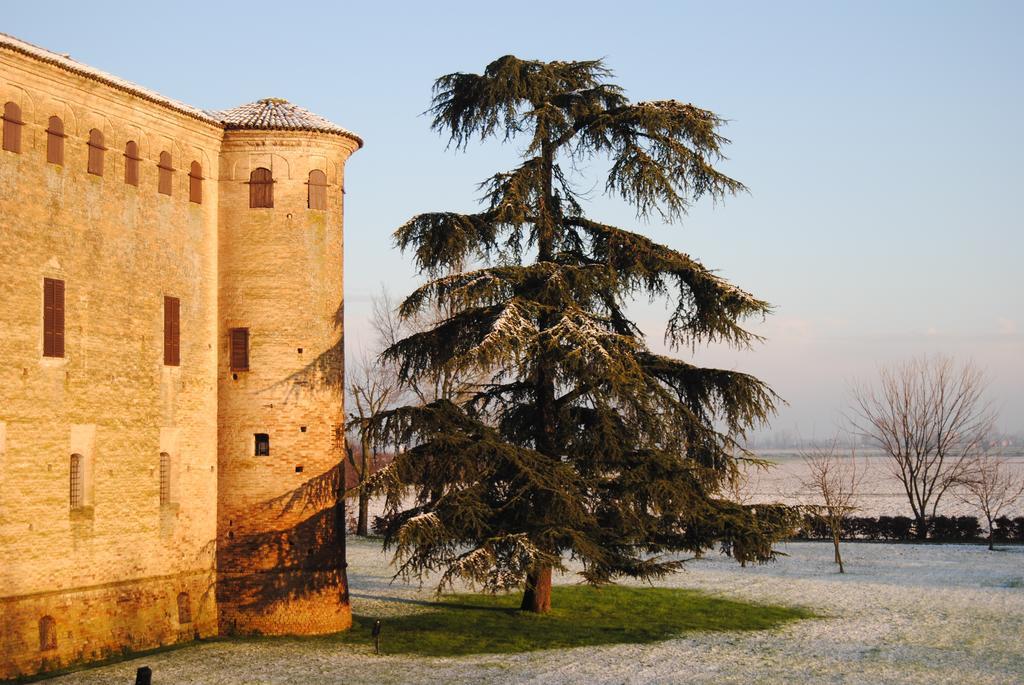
x: 584, y: 444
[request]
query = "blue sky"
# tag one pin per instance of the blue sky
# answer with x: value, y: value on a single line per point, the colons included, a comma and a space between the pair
x: 881, y: 143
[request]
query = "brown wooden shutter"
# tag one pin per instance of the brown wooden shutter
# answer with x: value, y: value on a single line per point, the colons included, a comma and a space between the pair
x: 172, y: 331
x: 261, y: 188
x: 317, y: 190
x: 53, y: 318
x: 165, y: 169
x: 195, y: 183
x: 96, y: 149
x: 131, y: 163
x: 12, y: 127
x: 239, y: 349
x: 55, y: 141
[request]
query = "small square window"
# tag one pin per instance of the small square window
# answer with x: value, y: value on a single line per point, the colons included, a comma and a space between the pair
x: 262, y: 445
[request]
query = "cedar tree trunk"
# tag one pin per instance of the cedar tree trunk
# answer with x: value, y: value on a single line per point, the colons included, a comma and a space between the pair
x: 537, y: 597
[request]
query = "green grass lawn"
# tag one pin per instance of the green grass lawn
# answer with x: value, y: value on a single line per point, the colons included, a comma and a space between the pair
x: 459, y: 625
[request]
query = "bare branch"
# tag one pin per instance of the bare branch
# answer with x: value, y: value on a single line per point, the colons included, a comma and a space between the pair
x: 930, y: 417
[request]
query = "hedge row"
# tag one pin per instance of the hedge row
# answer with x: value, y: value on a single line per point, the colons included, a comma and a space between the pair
x: 897, y: 528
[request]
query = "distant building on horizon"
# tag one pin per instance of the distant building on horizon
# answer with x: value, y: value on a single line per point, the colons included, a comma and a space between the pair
x: 171, y: 367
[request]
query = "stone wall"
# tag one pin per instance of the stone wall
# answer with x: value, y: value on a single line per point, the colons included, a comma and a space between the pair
x: 241, y: 543
x: 280, y: 565
x: 109, y: 573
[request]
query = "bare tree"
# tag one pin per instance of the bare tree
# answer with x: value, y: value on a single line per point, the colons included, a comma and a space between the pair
x: 834, y: 484
x: 993, y: 487
x: 372, y: 387
x: 738, y: 487
x: 930, y: 416
x: 374, y: 384
x: 446, y: 382
x: 741, y: 485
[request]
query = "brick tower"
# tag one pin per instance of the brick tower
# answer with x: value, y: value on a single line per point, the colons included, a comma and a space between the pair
x: 280, y: 566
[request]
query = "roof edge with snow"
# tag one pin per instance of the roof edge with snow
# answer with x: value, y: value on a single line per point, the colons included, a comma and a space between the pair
x: 282, y: 115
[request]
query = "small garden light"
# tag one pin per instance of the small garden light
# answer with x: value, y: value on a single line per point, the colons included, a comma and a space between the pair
x: 376, y: 636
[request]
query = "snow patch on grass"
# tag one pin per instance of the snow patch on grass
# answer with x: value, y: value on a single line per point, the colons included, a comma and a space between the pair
x: 902, y: 614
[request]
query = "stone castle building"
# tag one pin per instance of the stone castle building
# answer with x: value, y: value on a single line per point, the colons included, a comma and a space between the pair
x: 170, y: 367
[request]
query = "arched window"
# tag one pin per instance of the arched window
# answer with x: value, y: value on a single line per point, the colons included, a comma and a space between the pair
x: 47, y: 633
x: 12, y: 127
x: 77, y: 486
x: 96, y: 150
x: 261, y: 188
x: 195, y: 183
x: 55, y: 141
x: 165, y: 169
x: 131, y: 163
x: 317, y: 190
x: 165, y: 478
x: 184, y: 608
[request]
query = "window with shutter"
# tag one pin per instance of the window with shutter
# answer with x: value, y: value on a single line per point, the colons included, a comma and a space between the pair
x: 317, y: 190
x: 239, y: 349
x: 55, y: 141
x: 53, y: 317
x: 195, y: 183
x: 96, y: 150
x: 165, y: 169
x: 261, y: 188
x: 12, y: 127
x: 131, y: 163
x: 172, y: 331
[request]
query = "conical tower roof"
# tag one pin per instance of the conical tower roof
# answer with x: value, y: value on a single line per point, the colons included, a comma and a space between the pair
x: 277, y: 114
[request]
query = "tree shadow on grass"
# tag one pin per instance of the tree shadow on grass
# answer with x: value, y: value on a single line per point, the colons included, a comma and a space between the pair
x: 434, y: 604
x: 460, y: 625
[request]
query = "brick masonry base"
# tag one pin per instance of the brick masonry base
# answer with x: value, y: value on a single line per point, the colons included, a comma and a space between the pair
x: 101, y: 622
x: 305, y: 603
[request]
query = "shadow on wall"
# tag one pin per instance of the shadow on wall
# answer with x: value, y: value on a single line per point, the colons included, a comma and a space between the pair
x: 262, y: 568
x: 323, y: 373
x: 287, y: 565
x: 292, y: 546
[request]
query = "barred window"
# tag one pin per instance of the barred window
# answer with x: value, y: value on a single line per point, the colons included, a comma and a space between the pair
x: 261, y: 188
x: 96, y: 150
x: 77, y: 485
x: 131, y: 163
x: 12, y: 127
x: 195, y: 183
x: 165, y: 169
x: 317, y: 190
x: 55, y: 141
x: 47, y: 633
x: 165, y: 478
